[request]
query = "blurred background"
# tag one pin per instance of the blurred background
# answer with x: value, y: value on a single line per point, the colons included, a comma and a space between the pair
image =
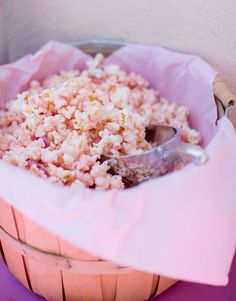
x: 203, y: 27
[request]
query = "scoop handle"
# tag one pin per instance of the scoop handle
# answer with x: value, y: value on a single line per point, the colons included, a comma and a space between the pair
x: 186, y: 153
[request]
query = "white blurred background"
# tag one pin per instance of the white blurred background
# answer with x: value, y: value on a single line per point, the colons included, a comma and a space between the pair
x: 203, y: 27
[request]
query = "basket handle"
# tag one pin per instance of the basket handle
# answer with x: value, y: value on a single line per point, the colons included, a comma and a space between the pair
x: 225, y: 100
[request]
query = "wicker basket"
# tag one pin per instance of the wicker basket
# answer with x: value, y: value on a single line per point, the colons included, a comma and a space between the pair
x: 57, y: 270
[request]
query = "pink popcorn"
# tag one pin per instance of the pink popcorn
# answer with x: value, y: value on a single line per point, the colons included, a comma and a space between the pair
x: 85, y: 177
x: 86, y: 162
x: 61, y: 128
x: 46, y: 141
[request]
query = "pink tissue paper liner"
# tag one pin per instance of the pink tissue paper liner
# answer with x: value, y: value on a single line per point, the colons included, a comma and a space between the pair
x: 182, y: 225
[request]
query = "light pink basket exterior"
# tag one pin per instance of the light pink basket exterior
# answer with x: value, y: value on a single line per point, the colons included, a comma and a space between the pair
x: 63, y: 284
x: 56, y: 284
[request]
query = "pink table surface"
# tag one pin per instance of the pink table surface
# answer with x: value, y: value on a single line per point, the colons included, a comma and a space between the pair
x: 12, y: 290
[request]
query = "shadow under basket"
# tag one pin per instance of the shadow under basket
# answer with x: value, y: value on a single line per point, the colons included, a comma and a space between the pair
x: 59, y: 271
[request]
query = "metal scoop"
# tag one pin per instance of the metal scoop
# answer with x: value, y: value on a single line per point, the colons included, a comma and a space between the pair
x: 167, y: 154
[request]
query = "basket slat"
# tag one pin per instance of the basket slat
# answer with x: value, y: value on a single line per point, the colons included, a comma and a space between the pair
x: 45, y: 280
x: 109, y: 285
x: 1, y: 253
x: 164, y: 283
x: 77, y: 286
x: 155, y: 284
x: 19, y: 220
x: 81, y: 287
x: 135, y: 286
x: 14, y: 260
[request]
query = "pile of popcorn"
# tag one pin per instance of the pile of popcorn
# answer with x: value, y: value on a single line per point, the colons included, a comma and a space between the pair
x: 60, y: 128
